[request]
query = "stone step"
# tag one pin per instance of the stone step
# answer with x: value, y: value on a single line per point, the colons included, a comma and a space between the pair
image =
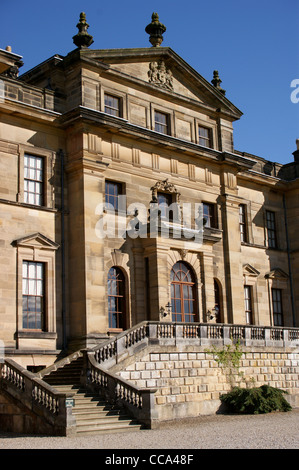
x: 92, y: 405
x: 88, y: 413
x: 108, y: 429
x: 102, y: 421
x: 93, y: 414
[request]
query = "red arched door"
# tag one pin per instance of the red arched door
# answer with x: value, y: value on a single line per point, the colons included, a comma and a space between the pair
x: 116, y: 298
x: 183, y: 293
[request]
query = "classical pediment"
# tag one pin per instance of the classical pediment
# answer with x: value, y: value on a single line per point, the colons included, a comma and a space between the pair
x: 249, y: 270
x: 36, y: 240
x: 164, y: 70
x: 277, y: 273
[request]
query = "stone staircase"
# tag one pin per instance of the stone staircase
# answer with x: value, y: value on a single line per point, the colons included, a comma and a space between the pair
x: 93, y: 414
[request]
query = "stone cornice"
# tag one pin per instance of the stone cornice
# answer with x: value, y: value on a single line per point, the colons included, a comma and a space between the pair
x: 116, y: 125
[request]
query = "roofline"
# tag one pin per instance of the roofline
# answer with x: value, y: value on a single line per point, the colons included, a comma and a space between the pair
x: 130, y: 53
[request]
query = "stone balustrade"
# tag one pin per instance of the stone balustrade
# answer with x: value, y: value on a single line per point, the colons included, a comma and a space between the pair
x: 115, y: 349
x: 140, y: 402
x: 45, y: 405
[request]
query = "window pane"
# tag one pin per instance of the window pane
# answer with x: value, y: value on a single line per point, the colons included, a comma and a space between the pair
x: 271, y: 229
x: 112, y: 191
x: 33, y: 288
x: 25, y: 287
x: 112, y: 105
x: 248, y: 305
x: 39, y: 271
x: 161, y: 123
x: 116, y: 298
x: 277, y: 307
x: 209, y: 215
x: 33, y: 180
x: 204, y: 136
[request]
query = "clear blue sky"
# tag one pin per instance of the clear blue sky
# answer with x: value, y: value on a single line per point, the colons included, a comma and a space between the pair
x: 254, y: 45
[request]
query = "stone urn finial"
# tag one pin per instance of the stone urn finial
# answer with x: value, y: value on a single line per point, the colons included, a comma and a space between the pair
x: 155, y: 29
x: 216, y: 82
x: 82, y: 39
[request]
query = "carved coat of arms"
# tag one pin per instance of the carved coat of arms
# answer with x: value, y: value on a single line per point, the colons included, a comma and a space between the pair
x: 160, y: 75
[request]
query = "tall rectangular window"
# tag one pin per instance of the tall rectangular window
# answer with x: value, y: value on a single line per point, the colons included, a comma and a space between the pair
x: 204, y: 137
x: 161, y: 122
x: 277, y: 307
x: 209, y: 215
x: 33, y: 180
x: 112, y: 191
x: 271, y: 229
x: 248, y: 305
x: 243, y: 223
x: 112, y: 105
x: 33, y: 295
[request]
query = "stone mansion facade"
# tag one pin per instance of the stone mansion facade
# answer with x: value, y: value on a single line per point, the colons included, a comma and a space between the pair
x: 102, y: 153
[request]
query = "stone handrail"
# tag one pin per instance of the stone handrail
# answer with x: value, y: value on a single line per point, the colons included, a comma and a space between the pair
x: 37, y: 396
x: 116, y: 390
x: 116, y: 349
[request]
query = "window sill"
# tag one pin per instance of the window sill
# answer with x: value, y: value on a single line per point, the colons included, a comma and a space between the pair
x: 35, y: 334
x: 29, y: 206
x: 264, y: 247
x: 113, y: 331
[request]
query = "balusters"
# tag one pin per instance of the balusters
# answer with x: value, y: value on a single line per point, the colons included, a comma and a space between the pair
x: 257, y: 333
x: 136, y: 335
x: 98, y: 377
x: 191, y: 331
x: 106, y: 352
x: 215, y: 332
x: 166, y: 330
x: 276, y: 334
x: 293, y: 335
x: 14, y: 376
x: 129, y: 394
x: 45, y: 398
x: 237, y: 332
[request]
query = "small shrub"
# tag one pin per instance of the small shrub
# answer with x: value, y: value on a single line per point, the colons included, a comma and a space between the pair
x: 256, y: 400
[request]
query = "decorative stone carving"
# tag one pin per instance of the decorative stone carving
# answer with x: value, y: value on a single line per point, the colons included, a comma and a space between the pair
x: 160, y: 75
x: 183, y: 253
x: 217, y: 81
x: 155, y: 29
x: 82, y: 39
x: 164, y: 186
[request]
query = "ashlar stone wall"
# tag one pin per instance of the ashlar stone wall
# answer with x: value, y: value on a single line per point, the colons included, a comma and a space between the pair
x: 189, y: 382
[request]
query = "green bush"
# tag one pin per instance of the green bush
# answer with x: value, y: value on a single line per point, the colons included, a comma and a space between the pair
x: 255, y: 400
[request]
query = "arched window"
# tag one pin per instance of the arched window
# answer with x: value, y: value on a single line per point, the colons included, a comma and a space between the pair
x: 116, y: 298
x: 183, y: 293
